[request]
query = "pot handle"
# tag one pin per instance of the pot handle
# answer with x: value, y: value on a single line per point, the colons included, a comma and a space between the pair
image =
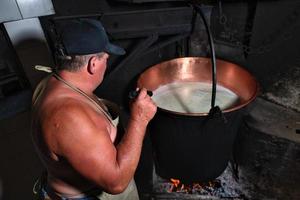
x: 134, y: 93
x: 198, y: 9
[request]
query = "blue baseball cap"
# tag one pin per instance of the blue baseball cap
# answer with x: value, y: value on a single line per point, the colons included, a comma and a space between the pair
x: 87, y: 36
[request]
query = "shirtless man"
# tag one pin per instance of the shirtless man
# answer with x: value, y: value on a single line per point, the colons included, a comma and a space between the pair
x: 74, y: 134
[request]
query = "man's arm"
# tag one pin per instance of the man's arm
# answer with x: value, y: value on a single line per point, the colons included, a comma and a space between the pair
x: 84, y: 141
x: 129, y: 149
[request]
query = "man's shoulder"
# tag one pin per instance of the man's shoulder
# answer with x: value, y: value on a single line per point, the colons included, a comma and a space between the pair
x: 72, y: 109
x: 66, y: 114
x: 66, y: 105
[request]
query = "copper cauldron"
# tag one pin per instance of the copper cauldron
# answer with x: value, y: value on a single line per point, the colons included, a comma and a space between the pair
x: 195, y: 146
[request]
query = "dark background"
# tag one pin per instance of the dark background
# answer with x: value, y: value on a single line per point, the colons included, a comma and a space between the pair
x: 260, y: 36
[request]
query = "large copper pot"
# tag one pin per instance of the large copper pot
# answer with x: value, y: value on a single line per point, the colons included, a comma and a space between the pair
x: 195, y: 146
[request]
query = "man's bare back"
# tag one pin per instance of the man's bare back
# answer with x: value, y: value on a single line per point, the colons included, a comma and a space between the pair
x: 73, y: 136
x: 57, y: 103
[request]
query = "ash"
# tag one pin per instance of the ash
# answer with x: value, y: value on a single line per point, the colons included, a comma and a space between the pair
x: 226, y: 186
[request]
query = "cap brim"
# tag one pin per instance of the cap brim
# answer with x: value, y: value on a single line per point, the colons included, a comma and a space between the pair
x: 114, y: 49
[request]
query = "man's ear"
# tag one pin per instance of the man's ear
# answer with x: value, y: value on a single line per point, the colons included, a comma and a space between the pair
x: 92, y: 64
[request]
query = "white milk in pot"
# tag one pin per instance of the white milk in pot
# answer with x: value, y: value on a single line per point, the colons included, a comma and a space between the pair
x: 192, y: 97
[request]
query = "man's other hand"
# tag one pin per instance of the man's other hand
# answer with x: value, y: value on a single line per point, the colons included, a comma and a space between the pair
x: 143, y: 107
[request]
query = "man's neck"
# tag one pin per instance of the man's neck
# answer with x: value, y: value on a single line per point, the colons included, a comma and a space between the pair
x: 79, y: 80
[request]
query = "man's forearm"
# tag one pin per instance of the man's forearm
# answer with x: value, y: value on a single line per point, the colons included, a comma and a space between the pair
x: 129, y: 149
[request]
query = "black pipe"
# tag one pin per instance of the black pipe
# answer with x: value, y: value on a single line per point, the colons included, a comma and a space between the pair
x: 213, y: 56
x: 251, y: 12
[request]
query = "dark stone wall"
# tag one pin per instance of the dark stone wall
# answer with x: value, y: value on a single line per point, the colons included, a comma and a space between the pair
x: 262, y: 36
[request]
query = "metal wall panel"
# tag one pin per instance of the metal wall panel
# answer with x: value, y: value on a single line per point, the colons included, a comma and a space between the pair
x: 35, y: 8
x: 9, y: 11
x: 146, y: 1
x: 29, y: 41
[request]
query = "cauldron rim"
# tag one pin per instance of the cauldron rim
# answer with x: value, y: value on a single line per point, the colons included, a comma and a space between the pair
x: 238, y: 106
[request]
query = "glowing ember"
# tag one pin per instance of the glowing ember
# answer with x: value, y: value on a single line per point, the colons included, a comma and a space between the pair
x: 223, y: 187
x: 176, y: 182
x: 177, y: 186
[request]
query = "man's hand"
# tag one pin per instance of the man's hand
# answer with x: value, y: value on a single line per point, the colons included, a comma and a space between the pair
x: 143, y: 108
